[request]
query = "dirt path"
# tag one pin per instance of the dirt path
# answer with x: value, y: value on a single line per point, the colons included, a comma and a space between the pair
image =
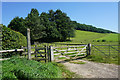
x: 93, y: 70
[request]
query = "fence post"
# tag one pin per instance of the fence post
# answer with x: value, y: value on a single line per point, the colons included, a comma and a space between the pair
x: 28, y: 43
x: 51, y: 54
x: 35, y: 50
x: 48, y: 53
x: 89, y: 48
x: 45, y: 53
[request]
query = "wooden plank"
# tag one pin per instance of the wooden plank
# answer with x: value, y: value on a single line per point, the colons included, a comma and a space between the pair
x: 75, y: 51
x: 57, y: 54
x: 69, y: 46
x: 4, y: 59
x: 77, y: 54
x: 67, y: 50
x: 12, y: 50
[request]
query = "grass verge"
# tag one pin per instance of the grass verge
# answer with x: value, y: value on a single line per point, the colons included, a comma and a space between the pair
x: 23, y: 69
x: 77, y: 62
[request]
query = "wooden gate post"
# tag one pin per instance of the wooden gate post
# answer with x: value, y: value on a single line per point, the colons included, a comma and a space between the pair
x: 51, y: 54
x: 45, y: 53
x: 48, y: 53
x: 35, y: 50
x: 89, y: 49
x: 28, y: 43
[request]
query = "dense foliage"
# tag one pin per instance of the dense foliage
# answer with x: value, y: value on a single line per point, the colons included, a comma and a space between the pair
x: 91, y: 28
x: 12, y: 39
x: 51, y: 26
x: 23, y: 69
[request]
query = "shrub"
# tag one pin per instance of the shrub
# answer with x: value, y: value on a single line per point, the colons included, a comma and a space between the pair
x: 12, y: 39
x: 98, y: 40
x: 23, y: 69
x: 103, y: 40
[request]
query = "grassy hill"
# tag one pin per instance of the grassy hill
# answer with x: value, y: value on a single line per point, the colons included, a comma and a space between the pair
x: 93, y: 38
x: 109, y: 37
x: 110, y: 54
x: 86, y: 36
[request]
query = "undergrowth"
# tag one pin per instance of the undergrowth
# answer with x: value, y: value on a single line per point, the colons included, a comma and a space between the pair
x: 21, y: 68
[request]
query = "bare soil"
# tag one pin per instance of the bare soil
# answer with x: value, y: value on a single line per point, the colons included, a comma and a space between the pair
x: 93, y: 70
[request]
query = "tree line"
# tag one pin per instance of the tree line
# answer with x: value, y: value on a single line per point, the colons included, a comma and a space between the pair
x: 50, y: 27
x: 91, y: 28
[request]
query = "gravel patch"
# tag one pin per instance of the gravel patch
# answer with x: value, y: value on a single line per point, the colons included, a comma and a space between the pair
x: 93, y: 70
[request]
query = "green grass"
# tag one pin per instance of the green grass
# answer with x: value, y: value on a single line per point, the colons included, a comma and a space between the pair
x: 109, y: 54
x: 109, y: 37
x: 77, y: 62
x: 85, y: 37
x: 62, y: 58
x: 21, y: 68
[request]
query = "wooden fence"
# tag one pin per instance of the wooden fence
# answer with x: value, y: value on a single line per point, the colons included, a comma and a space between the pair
x: 71, y: 51
x: 38, y: 53
x: 47, y: 53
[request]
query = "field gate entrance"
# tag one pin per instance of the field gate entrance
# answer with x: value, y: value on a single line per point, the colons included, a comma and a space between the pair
x: 70, y: 51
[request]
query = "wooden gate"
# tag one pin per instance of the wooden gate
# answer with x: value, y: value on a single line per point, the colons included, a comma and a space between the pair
x: 38, y: 53
x: 71, y: 51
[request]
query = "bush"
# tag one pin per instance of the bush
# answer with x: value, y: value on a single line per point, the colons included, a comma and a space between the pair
x: 23, y: 69
x: 98, y: 40
x: 12, y: 39
x: 103, y: 40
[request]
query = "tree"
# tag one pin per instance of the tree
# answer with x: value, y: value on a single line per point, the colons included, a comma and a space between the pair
x: 32, y: 21
x: 18, y: 24
x: 64, y: 25
x: 51, y: 26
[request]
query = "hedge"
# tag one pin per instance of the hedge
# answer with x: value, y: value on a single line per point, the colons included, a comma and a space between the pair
x: 12, y: 39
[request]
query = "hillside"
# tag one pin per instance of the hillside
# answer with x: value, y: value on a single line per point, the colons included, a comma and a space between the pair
x: 86, y: 36
x: 109, y: 37
x: 93, y: 37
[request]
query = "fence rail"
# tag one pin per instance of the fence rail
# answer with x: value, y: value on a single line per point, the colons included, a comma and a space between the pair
x: 106, y: 50
x: 12, y: 50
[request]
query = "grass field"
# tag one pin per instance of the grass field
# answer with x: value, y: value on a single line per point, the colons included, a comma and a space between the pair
x: 109, y: 37
x: 85, y: 37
